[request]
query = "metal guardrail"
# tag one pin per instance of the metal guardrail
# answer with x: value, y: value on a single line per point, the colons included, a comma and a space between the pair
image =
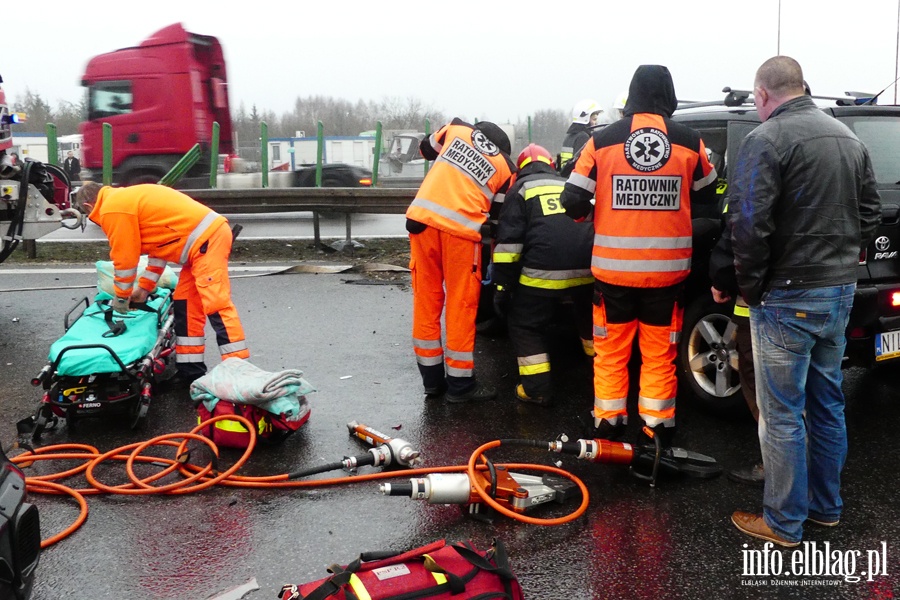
x: 272, y: 200
x: 388, y: 201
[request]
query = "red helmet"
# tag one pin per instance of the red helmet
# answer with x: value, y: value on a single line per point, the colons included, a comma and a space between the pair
x: 533, y: 152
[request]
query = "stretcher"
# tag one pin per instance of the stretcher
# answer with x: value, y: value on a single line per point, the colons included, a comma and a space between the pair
x: 106, y: 363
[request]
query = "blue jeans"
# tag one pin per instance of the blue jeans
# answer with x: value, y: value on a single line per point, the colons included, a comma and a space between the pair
x: 798, y: 345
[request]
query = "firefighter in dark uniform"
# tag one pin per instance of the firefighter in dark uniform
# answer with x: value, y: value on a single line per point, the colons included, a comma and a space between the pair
x: 644, y: 171
x: 542, y: 259
x: 585, y: 115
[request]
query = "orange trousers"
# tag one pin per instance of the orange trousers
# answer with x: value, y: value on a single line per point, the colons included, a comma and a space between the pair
x: 204, y: 292
x: 446, y: 278
x: 654, y: 315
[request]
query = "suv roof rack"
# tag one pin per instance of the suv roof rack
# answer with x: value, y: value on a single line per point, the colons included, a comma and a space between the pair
x: 745, y: 98
x: 732, y: 98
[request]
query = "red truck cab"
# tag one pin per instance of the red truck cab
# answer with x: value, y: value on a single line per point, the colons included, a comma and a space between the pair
x: 160, y: 98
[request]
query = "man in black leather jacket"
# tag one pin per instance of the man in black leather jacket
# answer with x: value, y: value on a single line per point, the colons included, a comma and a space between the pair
x: 803, y: 203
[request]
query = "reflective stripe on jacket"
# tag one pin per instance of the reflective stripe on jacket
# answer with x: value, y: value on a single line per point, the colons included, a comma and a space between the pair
x: 643, y: 171
x: 150, y: 219
x: 537, y: 245
x: 468, y: 175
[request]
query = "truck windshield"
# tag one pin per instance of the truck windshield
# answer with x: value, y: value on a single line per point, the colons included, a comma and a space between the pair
x: 108, y: 99
x: 881, y: 135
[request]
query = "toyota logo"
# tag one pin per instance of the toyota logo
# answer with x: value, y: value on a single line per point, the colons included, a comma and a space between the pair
x: 882, y: 243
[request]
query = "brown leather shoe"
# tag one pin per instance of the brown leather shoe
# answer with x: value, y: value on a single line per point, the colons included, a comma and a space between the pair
x: 756, y: 526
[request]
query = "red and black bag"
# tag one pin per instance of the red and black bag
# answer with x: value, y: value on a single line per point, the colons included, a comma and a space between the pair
x: 232, y: 434
x: 438, y: 570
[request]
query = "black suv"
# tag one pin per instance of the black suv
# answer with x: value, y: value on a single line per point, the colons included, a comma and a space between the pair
x: 707, y: 359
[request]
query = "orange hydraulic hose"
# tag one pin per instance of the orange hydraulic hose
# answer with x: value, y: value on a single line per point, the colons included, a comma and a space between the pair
x: 197, y: 478
x: 82, y: 515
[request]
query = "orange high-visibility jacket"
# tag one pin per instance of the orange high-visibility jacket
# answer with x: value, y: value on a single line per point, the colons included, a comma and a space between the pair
x: 154, y: 220
x: 469, y: 174
x: 643, y: 178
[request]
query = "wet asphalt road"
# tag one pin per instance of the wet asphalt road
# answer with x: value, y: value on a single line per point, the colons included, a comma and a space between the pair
x: 351, y: 338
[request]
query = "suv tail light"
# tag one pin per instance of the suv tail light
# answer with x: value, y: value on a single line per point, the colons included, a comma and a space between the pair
x: 862, y: 257
x: 890, y: 301
x: 895, y: 299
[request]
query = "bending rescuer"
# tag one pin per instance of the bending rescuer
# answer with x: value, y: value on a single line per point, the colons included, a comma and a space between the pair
x: 169, y: 226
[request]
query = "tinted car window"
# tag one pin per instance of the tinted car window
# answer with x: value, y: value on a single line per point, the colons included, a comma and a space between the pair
x: 881, y: 135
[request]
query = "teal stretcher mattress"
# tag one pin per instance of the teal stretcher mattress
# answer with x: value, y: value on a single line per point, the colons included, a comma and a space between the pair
x: 138, y: 339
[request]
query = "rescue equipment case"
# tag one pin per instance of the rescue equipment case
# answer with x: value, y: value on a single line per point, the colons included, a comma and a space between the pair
x: 437, y: 570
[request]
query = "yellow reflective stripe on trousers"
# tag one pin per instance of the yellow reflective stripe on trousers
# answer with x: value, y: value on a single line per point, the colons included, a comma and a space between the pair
x: 358, y: 588
x: 742, y: 311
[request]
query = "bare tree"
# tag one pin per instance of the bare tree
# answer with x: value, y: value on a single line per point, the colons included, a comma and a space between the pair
x: 37, y: 110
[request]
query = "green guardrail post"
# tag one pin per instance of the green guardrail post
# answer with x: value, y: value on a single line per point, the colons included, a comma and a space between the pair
x: 427, y: 135
x: 377, y: 153
x: 320, y: 146
x: 107, y: 154
x: 52, y: 145
x: 184, y: 164
x: 264, y: 152
x: 214, y: 156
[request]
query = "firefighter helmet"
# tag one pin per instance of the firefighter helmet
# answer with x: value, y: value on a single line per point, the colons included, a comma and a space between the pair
x: 619, y: 104
x: 583, y: 109
x: 533, y: 152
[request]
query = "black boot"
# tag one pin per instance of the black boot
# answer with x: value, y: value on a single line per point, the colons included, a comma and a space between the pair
x: 607, y: 431
x: 753, y: 475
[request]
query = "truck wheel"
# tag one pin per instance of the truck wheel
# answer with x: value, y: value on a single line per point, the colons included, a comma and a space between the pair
x: 708, y: 358
x: 142, y: 177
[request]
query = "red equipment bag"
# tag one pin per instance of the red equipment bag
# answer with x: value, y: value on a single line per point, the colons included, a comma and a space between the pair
x: 455, y: 571
x: 232, y: 434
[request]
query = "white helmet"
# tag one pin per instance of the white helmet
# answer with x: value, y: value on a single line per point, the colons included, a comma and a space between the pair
x: 583, y: 109
x: 621, y: 100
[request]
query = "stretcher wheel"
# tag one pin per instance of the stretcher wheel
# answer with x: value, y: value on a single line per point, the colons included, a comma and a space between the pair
x: 139, y: 412
x: 44, y: 419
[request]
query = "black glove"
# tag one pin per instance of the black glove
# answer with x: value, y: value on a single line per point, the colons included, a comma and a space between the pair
x: 502, y: 298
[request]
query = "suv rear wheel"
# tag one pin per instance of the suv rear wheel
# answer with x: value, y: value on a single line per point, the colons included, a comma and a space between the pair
x: 708, y: 358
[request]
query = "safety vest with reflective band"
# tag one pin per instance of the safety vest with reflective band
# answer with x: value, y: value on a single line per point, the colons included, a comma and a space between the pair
x: 469, y: 174
x: 643, y: 172
x: 154, y: 220
x: 537, y: 245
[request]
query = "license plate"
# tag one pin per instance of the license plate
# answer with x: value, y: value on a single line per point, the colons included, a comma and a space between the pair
x: 887, y: 345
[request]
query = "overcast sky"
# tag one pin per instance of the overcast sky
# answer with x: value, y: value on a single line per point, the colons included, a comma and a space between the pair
x: 486, y: 59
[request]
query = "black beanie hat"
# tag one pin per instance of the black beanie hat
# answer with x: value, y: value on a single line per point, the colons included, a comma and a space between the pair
x: 496, y: 135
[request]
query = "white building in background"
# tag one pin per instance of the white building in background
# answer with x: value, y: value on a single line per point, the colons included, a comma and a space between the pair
x: 34, y: 146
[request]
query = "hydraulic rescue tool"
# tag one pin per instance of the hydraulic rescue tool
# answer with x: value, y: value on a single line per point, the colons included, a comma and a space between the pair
x: 517, y: 491
x: 641, y: 458
x: 387, y: 450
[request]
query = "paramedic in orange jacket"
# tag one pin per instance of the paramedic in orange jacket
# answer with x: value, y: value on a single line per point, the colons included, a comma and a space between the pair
x: 445, y: 221
x: 169, y: 226
x: 644, y: 171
